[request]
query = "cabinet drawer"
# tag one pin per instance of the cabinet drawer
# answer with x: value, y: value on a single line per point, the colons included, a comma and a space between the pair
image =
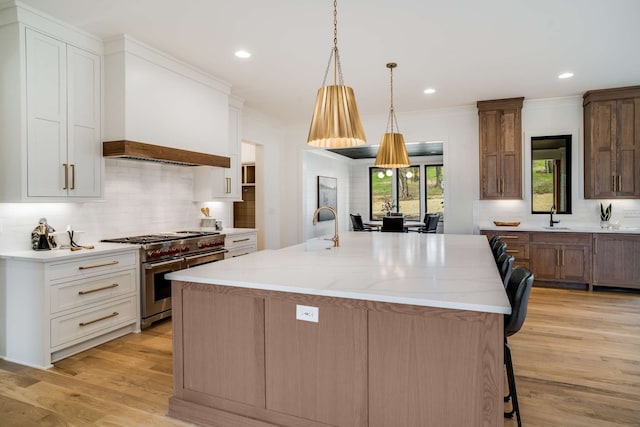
x: 562, y: 238
x: 91, y: 266
x: 240, y: 251
x: 509, y: 237
x: 238, y: 240
x: 520, y: 251
x: 89, y: 291
x: 99, y: 320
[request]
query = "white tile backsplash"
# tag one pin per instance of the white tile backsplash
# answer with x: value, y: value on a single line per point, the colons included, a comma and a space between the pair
x: 139, y: 197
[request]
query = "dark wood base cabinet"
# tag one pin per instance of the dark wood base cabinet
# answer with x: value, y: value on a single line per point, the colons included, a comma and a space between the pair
x: 592, y: 259
x: 242, y: 359
x: 616, y: 260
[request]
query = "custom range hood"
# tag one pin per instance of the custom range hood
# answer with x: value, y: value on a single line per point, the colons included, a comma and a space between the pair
x: 155, y: 153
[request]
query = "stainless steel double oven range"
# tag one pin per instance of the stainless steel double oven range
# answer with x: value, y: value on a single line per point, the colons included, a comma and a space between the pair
x: 166, y: 252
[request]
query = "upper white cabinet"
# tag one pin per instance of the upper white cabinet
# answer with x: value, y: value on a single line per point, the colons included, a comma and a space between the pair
x: 220, y: 183
x: 50, y: 110
x: 63, y: 119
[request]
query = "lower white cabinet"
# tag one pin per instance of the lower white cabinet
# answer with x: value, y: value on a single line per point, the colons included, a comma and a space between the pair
x: 59, y: 307
x: 240, y: 243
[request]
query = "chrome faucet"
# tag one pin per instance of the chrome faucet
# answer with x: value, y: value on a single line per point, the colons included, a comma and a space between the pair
x: 335, y: 239
x: 551, y: 221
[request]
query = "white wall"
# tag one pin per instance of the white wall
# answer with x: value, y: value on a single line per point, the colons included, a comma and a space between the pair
x: 140, y: 197
x: 324, y: 163
x: 273, y: 178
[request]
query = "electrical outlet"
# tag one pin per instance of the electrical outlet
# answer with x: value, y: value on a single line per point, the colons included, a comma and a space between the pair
x: 307, y: 313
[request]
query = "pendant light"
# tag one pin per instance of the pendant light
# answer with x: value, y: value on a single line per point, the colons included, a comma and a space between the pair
x: 335, y: 122
x: 392, y: 152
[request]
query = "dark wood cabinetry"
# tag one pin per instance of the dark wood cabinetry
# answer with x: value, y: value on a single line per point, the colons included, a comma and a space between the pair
x: 517, y: 245
x: 616, y: 260
x: 561, y: 257
x: 500, y: 148
x: 612, y: 143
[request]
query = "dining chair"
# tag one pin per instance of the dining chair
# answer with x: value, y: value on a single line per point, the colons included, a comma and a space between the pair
x: 393, y: 224
x: 358, y: 225
x: 518, y: 291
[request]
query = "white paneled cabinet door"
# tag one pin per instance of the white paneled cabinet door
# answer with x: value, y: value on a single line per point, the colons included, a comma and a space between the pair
x: 63, y: 119
x: 46, y: 116
x: 83, y: 141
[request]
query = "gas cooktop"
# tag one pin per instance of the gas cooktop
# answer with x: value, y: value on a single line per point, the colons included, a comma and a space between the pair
x: 161, y: 237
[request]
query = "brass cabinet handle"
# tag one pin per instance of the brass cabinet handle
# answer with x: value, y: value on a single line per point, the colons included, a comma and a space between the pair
x: 557, y: 257
x: 512, y: 251
x: 228, y: 188
x: 108, y: 316
x: 66, y: 176
x: 104, y: 264
x: 613, y: 183
x: 508, y: 237
x: 241, y: 240
x: 90, y: 291
x: 562, y: 257
x: 73, y: 177
x: 235, y: 256
x: 619, y: 183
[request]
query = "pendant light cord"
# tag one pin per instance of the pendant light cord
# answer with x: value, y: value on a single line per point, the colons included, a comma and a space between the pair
x: 335, y: 54
x: 392, y: 113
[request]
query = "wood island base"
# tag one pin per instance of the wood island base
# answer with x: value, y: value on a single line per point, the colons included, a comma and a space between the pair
x: 241, y: 358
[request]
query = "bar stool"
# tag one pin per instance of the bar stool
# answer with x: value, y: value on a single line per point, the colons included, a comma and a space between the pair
x: 505, y: 266
x: 518, y: 291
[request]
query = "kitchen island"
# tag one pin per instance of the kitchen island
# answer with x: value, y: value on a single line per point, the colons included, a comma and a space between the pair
x: 388, y: 329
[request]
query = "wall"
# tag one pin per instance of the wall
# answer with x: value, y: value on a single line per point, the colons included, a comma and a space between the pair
x: 458, y: 128
x: 273, y: 182
x: 324, y: 163
x: 140, y: 197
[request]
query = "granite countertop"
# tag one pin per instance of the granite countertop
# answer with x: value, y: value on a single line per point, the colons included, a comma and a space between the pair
x: 434, y: 270
x: 59, y: 254
x: 562, y: 228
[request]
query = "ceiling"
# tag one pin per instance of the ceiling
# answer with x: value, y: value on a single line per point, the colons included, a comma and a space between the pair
x: 468, y: 50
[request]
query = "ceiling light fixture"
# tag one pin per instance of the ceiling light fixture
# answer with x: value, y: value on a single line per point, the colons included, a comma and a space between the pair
x: 565, y: 76
x: 392, y: 152
x: 243, y: 54
x: 335, y: 122
x: 429, y: 91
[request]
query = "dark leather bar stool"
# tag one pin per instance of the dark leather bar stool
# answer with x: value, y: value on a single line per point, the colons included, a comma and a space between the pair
x: 518, y: 291
x: 493, y: 240
x: 393, y: 224
x: 498, y: 249
x: 505, y: 266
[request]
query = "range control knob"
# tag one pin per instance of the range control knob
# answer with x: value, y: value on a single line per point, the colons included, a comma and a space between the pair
x: 185, y: 249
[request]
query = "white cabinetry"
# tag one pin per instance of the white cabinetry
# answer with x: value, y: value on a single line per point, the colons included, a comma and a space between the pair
x: 50, y: 110
x: 63, y: 119
x: 59, y: 308
x: 221, y: 183
x: 240, y: 243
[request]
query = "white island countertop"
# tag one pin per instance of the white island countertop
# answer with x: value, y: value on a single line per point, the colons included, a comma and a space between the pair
x: 433, y: 270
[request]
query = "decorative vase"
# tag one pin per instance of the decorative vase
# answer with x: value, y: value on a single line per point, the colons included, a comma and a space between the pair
x: 604, y: 224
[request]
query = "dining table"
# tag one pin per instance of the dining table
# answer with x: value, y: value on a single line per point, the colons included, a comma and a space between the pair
x: 377, y: 224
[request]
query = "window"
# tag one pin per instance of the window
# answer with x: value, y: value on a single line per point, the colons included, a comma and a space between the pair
x: 408, y: 185
x: 395, y: 190
x: 380, y: 190
x: 434, y: 189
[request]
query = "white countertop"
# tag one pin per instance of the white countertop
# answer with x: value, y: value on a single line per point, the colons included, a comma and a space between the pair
x: 434, y: 270
x: 563, y: 228
x: 59, y: 254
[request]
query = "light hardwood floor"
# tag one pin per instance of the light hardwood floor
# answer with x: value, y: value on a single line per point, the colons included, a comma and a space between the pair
x: 577, y: 363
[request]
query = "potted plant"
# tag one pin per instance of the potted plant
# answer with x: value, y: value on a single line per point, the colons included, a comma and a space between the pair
x: 388, y: 205
x: 605, y: 215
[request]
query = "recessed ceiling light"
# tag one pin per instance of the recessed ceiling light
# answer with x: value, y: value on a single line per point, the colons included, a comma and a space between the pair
x: 429, y: 91
x: 243, y: 54
x: 565, y: 75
